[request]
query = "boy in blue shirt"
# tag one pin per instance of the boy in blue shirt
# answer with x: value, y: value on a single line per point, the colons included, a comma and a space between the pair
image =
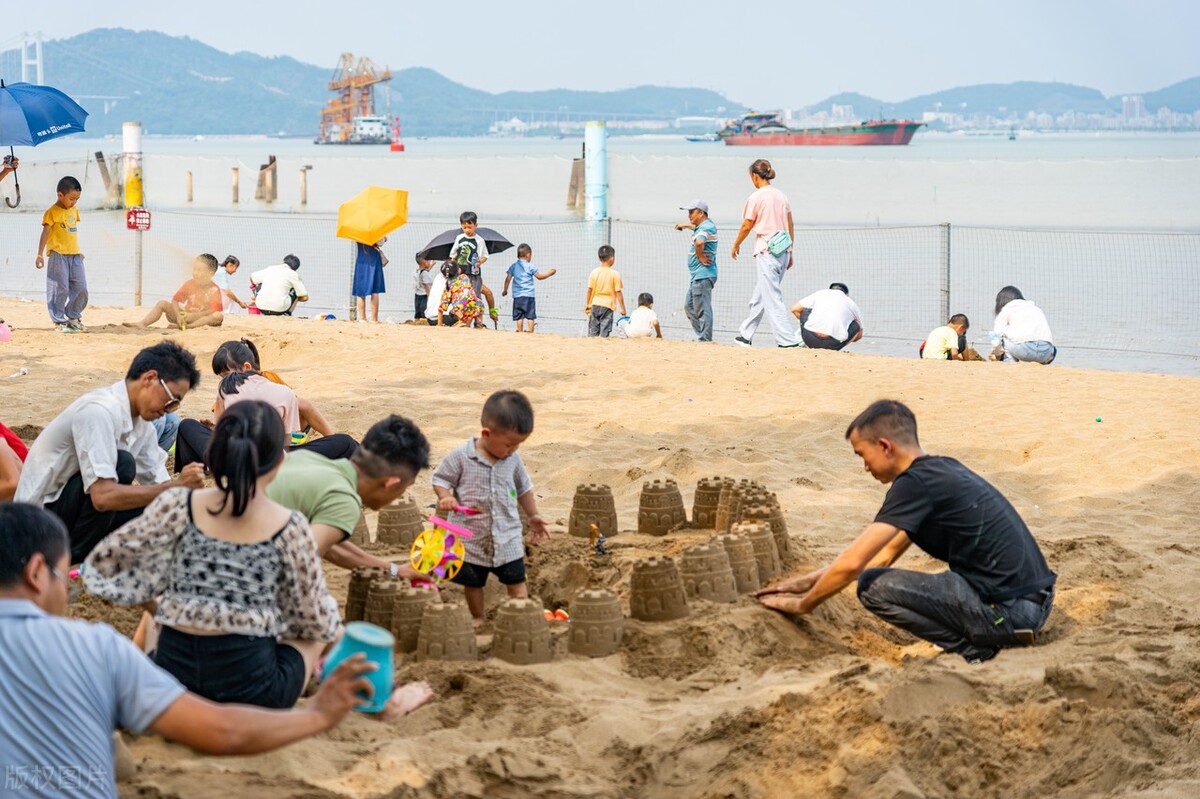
x: 521, y: 276
x: 702, y: 263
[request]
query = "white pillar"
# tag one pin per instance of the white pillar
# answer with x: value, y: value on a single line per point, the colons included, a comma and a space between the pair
x: 595, y: 171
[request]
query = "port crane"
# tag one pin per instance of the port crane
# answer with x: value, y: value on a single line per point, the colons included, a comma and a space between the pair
x: 349, y: 118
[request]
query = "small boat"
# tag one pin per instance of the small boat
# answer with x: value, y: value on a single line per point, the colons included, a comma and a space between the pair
x: 704, y: 137
x: 767, y: 130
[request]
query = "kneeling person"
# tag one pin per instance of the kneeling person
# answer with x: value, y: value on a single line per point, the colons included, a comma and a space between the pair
x: 829, y: 319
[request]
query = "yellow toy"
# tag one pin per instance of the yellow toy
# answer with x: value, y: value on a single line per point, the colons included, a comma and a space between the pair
x: 438, y: 552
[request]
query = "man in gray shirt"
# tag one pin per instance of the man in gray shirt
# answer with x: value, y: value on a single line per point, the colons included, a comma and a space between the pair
x: 66, y: 685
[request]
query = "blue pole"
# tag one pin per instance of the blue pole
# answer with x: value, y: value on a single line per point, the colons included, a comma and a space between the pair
x: 595, y: 174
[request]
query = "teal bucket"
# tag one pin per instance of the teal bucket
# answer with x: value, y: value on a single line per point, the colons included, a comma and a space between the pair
x: 376, y: 643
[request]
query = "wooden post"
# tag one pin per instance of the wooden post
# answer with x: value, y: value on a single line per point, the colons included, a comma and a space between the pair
x: 575, y: 186
x: 304, y: 184
x: 235, y: 185
x: 103, y: 166
x: 188, y: 181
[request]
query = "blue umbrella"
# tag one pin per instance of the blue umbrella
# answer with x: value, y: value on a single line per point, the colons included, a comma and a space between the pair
x: 32, y: 114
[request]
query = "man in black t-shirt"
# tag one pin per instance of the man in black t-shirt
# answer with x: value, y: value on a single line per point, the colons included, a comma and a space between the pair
x: 998, y: 591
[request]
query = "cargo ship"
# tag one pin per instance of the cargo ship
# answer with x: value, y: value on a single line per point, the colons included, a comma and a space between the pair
x: 767, y: 130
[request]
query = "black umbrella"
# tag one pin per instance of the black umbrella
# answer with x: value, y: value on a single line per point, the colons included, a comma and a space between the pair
x: 439, y: 248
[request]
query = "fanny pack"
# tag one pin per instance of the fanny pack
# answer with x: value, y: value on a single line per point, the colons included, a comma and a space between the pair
x: 780, y: 243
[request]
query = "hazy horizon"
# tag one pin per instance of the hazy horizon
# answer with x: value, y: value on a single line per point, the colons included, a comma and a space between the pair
x: 881, y: 49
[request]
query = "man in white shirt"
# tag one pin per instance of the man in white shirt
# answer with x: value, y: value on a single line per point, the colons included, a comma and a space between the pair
x: 829, y: 319
x: 279, y: 288
x: 82, y: 466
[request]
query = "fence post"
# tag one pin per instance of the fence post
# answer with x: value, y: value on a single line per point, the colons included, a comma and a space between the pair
x: 945, y: 257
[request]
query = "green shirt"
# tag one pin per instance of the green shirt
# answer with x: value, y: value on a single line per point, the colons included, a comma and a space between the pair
x: 324, y: 490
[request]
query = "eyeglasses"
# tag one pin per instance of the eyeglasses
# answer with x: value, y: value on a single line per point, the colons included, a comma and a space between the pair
x: 172, y: 401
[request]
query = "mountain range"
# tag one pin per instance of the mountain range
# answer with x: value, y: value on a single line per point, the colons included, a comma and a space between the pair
x: 181, y: 86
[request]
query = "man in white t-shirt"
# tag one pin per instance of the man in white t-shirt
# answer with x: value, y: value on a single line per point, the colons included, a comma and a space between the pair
x: 643, y: 322
x: 829, y: 319
x: 279, y: 288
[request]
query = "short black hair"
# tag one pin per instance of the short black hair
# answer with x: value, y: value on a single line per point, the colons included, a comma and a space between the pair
x: 606, y: 252
x: 886, y: 419
x: 450, y: 270
x: 230, y: 356
x: 292, y: 261
x: 842, y: 287
x: 959, y: 319
x: 170, y: 360
x: 508, y: 410
x: 524, y: 250
x: 645, y: 298
x: 1007, y: 295
x: 209, y: 259
x: 468, y: 216
x: 392, y: 445
x: 27, y: 530
x: 69, y: 184
x: 231, y: 259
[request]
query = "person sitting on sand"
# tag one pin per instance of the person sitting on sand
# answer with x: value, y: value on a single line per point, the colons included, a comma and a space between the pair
x: 233, y: 579
x: 829, y: 319
x: 998, y: 591
x: 12, y: 457
x: 948, y: 342
x: 66, y: 684
x: 198, y: 303
x: 459, y: 304
x: 1021, y: 329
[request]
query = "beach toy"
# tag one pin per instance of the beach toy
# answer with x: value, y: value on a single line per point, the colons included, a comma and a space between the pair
x: 1098, y: 419
x: 376, y: 643
x: 466, y: 510
x: 439, y: 551
x: 5, y: 331
x: 299, y: 438
x: 327, y: 317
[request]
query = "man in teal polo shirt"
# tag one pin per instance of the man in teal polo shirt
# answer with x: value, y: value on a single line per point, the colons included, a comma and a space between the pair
x: 702, y: 263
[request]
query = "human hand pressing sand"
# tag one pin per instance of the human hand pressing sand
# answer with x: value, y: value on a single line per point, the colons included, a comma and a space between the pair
x: 788, y: 595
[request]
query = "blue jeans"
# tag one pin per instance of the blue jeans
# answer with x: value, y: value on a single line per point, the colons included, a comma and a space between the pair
x: 945, y: 610
x: 166, y: 427
x: 698, y: 307
x: 1034, y: 351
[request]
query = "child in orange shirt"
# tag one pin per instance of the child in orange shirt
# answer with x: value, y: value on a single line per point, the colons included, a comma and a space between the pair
x: 198, y: 303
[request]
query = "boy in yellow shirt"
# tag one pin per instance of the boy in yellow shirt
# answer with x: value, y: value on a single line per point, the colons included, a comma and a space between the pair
x: 603, y: 294
x: 66, y: 283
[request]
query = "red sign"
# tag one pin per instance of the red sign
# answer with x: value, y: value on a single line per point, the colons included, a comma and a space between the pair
x: 137, y: 219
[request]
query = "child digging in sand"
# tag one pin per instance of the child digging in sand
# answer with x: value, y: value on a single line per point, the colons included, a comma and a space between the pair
x: 488, y: 475
x: 198, y: 303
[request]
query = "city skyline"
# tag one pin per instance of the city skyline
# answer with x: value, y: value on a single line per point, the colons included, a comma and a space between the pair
x: 876, y: 49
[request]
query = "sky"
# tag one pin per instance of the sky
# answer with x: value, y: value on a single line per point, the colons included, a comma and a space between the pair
x: 766, y: 54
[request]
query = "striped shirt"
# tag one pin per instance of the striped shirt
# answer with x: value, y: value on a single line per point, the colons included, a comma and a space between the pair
x: 492, y: 489
x: 705, y: 233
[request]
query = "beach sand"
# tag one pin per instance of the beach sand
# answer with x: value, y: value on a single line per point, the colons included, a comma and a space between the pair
x: 735, y: 700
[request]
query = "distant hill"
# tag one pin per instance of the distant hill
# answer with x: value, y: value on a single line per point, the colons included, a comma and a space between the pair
x: 1179, y: 97
x: 177, y: 85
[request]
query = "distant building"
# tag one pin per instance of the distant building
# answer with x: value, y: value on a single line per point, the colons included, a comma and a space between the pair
x: 1133, y: 107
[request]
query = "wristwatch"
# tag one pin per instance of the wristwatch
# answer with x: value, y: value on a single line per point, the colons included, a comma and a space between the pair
x: 394, y: 568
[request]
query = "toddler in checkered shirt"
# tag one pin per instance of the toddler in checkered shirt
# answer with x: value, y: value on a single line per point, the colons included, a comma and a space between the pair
x: 487, y: 474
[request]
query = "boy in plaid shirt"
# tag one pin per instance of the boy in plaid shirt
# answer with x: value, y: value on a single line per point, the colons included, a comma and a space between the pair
x: 487, y: 474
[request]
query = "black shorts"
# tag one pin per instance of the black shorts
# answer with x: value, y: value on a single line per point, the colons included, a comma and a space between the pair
x: 472, y: 575
x: 234, y: 668
x: 524, y: 308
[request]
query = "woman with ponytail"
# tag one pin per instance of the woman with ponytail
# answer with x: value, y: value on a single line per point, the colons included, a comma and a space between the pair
x: 767, y: 213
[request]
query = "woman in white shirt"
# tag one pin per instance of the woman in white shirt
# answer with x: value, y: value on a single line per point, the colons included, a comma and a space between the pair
x: 1022, y: 329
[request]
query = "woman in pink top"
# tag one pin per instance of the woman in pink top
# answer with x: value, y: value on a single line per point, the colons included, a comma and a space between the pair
x: 767, y: 212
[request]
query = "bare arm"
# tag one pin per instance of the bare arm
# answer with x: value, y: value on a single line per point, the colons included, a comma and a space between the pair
x: 658, y: 329
x: 507, y: 283
x: 538, y: 531
x: 109, y: 495
x: 543, y: 275
x: 587, y: 304
x: 703, y: 258
x: 42, y: 245
x: 878, y: 545
x: 747, y: 226
x: 621, y: 301
x: 310, y: 414
x: 10, y: 472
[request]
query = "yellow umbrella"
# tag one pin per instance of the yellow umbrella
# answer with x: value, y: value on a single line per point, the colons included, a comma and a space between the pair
x: 372, y: 214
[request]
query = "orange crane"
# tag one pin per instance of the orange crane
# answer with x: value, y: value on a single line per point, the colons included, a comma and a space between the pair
x: 350, y: 118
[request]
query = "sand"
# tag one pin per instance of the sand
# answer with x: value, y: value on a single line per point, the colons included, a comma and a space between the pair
x: 735, y: 700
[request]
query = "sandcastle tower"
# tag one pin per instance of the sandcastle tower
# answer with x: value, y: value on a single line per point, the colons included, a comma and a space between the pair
x: 723, y: 500
x: 399, y: 523
x: 707, y: 574
x: 769, y: 513
x: 522, y: 633
x: 362, y: 533
x: 447, y: 633
x: 597, y: 623
x: 742, y: 562
x: 706, y: 502
x: 408, y: 610
x: 356, y: 593
x: 381, y: 597
x: 765, y: 551
x: 656, y: 591
x: 661, y: 508
x: 593, y: 504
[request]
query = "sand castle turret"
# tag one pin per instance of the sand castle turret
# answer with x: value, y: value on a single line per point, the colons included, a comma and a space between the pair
x: 765, y: 551
x: 381, y: 598
x: 362, y: 533
x: 707, y: 574
x: 768, y: 512
x: 656, y: 591
x: 706, y: 502
x: 597, y: 623
x: 522, y: 633
x: 742, y: 562
x: 723, y: 501
x: 356, y: 593
x: 593, y: 504
x: 447, y: 633
x: 661, y: 508
x: 399, y: 523
x: 408, y: 610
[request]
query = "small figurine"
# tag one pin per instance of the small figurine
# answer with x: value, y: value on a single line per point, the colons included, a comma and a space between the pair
x: 596, y: 541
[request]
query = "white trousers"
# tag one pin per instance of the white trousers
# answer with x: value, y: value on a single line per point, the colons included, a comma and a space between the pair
x: 768, y: 299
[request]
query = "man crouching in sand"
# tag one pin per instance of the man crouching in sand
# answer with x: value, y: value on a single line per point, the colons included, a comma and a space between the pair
x: 998, y: 591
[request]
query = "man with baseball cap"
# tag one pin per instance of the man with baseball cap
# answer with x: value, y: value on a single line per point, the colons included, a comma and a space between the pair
x: 702, y: 263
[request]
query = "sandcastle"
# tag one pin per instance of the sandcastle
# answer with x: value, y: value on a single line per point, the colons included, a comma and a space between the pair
x: 381, y: 598
x: 656, y: 591
x: 399, y: 523
x: 356, y: 593
x: 362, y: 533
x: 597, y: 623
x: 722, y: 522
x: 408, y: 610
x: 765, y: 550
x: 769, y: 513
x: 707, y: 574
x: 742, y: 562
x: 522, y: 633
x: 661, y: 508
x: 706, y: 502
x: 447, y: 633
x: 593, y: 504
